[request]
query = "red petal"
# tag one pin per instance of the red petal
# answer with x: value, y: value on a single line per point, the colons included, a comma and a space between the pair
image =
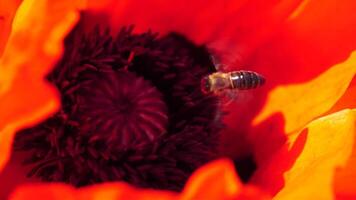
x: 311, y: 41
x: 221, y: 23
x: 14, y: 174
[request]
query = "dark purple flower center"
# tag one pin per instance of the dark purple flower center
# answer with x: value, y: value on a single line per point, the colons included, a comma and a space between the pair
x: 123, y: 108
x: 132, y: 110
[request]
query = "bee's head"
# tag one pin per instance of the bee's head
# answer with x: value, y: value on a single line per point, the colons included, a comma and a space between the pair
x: 205, y: 85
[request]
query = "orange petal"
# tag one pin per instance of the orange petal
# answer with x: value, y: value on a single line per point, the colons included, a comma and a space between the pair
x: 7, y: 13
x: 290, y: 107
x: 345, y: 176
x: 218, y: 180
x: 301, y: 103
x: 348, y: 100
x: 32, y: 49
x: 314, y: 40
x: 110, y: 191
x: 322, y: 146
x: 118, y: 191
x: 215, y: 181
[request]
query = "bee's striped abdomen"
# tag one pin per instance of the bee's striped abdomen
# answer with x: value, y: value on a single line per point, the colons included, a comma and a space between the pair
x: 244, y: 80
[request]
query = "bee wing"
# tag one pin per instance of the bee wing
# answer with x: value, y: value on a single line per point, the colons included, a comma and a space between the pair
x: 228, y: 96
x: 217, y: 64
x: 214, y: 60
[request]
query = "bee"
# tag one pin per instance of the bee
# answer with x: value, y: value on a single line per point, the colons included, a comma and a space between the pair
x: 240, y: 80
x: 226, y: 84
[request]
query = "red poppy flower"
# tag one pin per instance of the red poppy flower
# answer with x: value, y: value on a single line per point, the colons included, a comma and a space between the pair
x: 295, y: 128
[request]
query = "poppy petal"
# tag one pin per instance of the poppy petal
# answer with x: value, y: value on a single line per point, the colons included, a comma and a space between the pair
x: 290, y: 107
x: 219, y: 177
x: 314, y: 40
x: 216, y: 22
x: 114, y: 191
x: 307, y: 44
x: 50, y: 192
x: 312, y: 156
x: 216, y: 180
x: 7, y: 13
x: 348, y: 100
x: 32, y: 49
x: 301, y: 103
x: 345, y: 176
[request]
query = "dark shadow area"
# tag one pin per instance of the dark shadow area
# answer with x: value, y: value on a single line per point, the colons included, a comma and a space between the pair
x: 268, y: 137
x: 270, y: 157
x: 269, y: 173
x: 245, y: 168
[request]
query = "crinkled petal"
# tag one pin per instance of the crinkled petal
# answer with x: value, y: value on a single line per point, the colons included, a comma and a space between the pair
x: 314, y: 38
x: 288, y: 108
x: 214, y: 181
x: 309, y: 161
x: 301, y: 103
x: 311, y: 99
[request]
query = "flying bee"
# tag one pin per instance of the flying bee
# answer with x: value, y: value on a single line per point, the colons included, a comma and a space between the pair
x: 227, y: 83
x: 221, y: 81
